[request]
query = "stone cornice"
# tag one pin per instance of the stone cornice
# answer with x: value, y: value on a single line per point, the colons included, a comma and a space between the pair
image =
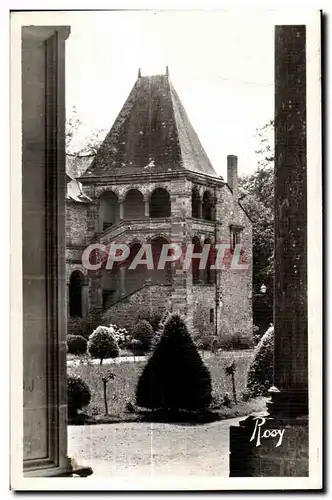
x: 149, y: 177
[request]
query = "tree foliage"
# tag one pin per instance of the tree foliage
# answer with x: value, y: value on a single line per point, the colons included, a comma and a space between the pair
x: 175, y: 377
x: 79, y: 394
x: 257, y: 197
x: 102, y: 344
x: 260, y: 374
x: 79, y: 139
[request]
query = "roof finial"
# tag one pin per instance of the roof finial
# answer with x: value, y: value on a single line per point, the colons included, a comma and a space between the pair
x: 167, y: 72
x: 139, y: 73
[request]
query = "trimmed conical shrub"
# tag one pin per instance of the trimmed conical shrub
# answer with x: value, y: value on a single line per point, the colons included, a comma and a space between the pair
x: 175, y: 377
x: 260, y: 374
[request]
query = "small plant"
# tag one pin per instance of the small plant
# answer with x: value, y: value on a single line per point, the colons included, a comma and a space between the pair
x: 235, y: 342
x: 120, y: 334
x: 79, y: 394
x: 144, y: 333
x: 136, y: 347
x: 102, y: 344
x: 153, y: 316
x: 76, y: 344
x: 217, y: 401
x: 83, y: 326
x: 130, y: 408
x: 105, y: 379
x: 227, y: 400
x: 230, y: 372
x: 245, y: 395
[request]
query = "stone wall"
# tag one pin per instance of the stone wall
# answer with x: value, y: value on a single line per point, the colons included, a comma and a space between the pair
x: 235, y: 284
x: 76, y: 223
x: 125, y: 312
x: 204, y: 310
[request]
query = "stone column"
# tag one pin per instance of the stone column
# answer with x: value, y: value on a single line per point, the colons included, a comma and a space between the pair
x: 288, y: 409
x: 44, y: 277
x: 200, y: 210
x: 122, y: 281
x: 85, y: 296
x: 121, y: 210
x: 146, y: 208
x: 182, y: 299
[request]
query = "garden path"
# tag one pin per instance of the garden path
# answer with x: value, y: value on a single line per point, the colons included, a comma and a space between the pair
x: 152, y: 449
x: 120, y: 359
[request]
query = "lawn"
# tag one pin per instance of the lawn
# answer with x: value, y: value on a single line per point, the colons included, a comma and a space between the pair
x: 121, y: 390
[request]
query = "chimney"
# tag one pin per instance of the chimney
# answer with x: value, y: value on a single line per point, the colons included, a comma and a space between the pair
x: 167, y: 72
x: 232, y: 174
x: 139, y: 73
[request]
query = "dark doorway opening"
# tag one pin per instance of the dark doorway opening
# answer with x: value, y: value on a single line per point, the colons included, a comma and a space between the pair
x: 75, y: 294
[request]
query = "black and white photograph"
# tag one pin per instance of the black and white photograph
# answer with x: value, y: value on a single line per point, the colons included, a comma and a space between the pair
x: 166, y: 212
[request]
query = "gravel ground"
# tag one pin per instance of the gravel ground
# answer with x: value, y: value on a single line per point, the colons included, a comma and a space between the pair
x: 152, y: 449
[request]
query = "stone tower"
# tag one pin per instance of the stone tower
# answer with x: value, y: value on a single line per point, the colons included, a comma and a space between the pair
x: 152, y: 182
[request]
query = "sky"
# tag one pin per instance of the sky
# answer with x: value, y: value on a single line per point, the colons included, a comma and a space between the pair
x: 220, y: 62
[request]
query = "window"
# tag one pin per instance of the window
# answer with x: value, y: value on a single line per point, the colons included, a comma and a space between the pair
x: 235, y: 236
x: 211, y: 316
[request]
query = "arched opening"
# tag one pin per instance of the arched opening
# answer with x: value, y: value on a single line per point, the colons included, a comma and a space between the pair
x: 108, y: 210
x: 160, y: 203
x: 133, y: 206
x: 209, y: 276
x: 75, y: 294
x: 110, y: 283
x: 195, y: 261
x: 208, y: 206
x: 163, y: 275
x: 196, y: 204
x: 134, y: 277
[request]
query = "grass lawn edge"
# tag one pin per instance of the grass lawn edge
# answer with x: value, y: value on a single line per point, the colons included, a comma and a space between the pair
x: 241, y: 409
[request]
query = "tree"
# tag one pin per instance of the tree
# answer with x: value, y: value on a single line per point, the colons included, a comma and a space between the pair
x: 102, y: 344
x: 73, y: 123
x: 175, y: 377
x: 79, y: 139
x: 257, y: 198
x: 144, y: 333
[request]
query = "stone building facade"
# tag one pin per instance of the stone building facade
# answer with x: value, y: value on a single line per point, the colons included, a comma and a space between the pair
x: 152, y: 182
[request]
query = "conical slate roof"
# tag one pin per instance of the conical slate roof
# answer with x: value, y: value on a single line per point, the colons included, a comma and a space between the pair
x: 152, y: 133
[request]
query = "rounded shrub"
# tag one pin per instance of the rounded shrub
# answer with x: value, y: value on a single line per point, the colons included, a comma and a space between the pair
x: 83, y: 326
x: 102, y: 344
x: 144, y: 333
x: 79, y: 394
x: 136, y: 347
x: 76, y: 344
x: 260, y: 374
x: 152, y: 315
x: 175, y: 377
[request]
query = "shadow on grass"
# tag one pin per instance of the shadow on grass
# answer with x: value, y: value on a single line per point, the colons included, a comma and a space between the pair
x: 175, y: 418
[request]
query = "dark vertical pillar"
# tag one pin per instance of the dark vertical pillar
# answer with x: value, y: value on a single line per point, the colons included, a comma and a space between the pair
x: 288, y: 409
x: 290, y: 290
